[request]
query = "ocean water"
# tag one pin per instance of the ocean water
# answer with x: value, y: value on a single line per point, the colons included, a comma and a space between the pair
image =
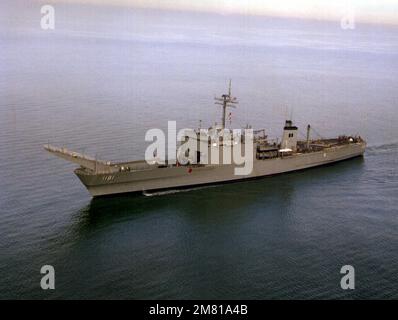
x: 106, y: 75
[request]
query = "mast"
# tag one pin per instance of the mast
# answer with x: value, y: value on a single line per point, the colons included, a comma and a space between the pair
x: 226, y: 101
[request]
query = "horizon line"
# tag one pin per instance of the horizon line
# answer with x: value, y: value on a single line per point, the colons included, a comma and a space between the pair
x: 249, y: 13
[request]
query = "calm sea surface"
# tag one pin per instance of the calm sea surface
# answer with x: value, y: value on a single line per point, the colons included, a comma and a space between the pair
x: 105, y: 76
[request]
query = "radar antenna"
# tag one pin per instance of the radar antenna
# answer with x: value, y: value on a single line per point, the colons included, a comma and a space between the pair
x: 226, y: 101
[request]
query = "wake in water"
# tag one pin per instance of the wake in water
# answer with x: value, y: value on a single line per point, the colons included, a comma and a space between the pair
x: 173, y: 191
x: 382, y: 148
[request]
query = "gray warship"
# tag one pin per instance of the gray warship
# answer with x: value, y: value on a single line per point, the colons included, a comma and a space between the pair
x: 270, y: 157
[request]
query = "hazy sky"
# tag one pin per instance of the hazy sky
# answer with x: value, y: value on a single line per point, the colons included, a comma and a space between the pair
x: 377, y: 11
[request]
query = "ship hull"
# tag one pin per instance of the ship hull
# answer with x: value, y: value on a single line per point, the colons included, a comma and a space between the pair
x: 186, y: 177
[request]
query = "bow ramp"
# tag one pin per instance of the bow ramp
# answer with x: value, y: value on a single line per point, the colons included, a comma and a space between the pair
x: 84, y: 161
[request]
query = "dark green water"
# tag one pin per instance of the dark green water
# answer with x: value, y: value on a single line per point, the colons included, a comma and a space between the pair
x: 97, y: 85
